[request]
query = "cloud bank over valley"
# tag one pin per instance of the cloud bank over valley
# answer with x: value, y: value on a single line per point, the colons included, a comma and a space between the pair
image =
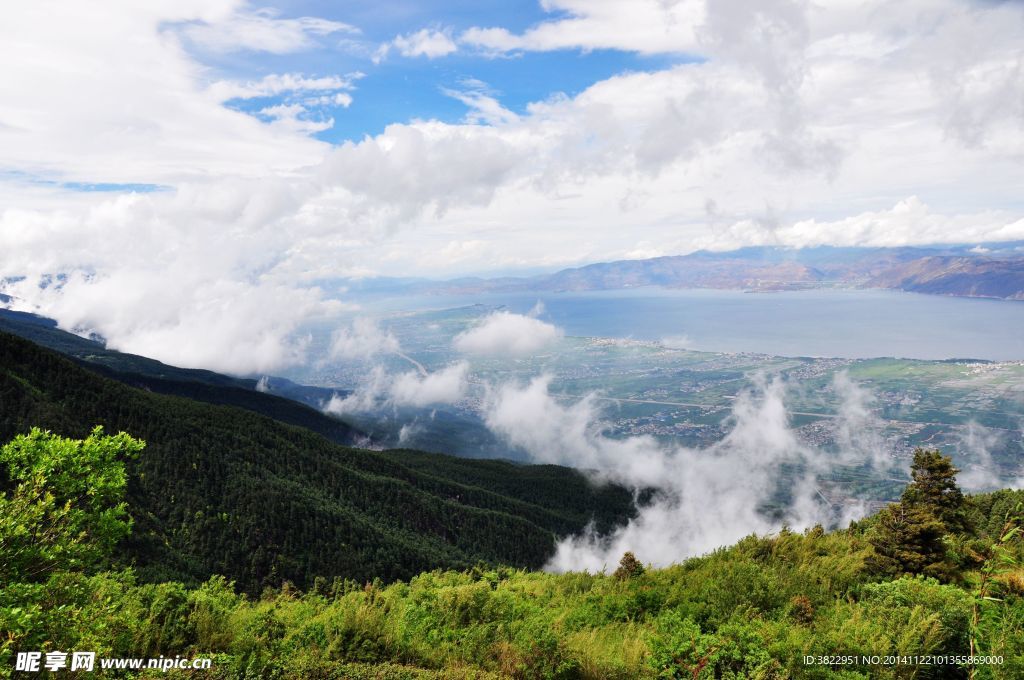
x: 191, y: 192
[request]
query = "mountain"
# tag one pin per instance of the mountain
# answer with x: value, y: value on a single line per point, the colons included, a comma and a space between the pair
x: 969, y: 271
x: 223, y: 490
x: 962, y: 276
x: 277, y: 398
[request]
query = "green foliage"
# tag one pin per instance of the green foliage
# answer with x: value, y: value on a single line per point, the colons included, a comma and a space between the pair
x: 908, y: 540
x: 899, y: 602
x: 753, y: 610
x: 998, y: 612
x: 934, y: 489
x: 63, y: 507
x: 61, y: 513
x: 914, y: 536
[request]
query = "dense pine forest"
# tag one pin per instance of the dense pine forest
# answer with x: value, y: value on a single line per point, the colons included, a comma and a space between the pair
x: 205, y: 530
x: 223, y: 490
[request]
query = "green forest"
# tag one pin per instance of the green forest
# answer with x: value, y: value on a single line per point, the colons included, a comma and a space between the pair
x: 136, y: 524
x: 224, y: 490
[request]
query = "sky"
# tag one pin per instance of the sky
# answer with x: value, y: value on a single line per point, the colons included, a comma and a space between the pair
x: 191, y: 178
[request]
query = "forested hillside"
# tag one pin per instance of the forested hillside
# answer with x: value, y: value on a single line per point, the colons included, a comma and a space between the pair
x: 290, y: 403
x: 221, y: 490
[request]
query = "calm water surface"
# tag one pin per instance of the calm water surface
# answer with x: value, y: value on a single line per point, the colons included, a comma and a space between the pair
x: 824, y: 323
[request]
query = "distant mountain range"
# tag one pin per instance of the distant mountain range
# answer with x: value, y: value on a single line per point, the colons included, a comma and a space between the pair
x: 996, y: 271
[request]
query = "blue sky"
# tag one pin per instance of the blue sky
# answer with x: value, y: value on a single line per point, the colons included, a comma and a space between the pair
x: 400, y: 89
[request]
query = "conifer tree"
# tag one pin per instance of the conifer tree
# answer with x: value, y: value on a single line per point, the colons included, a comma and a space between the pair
x: 934, y: 488
x: 629, y: 567
x: 908, y: 540
x: 909, y: 535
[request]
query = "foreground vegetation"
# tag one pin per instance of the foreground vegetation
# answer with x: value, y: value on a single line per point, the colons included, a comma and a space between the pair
x: 753, y: 610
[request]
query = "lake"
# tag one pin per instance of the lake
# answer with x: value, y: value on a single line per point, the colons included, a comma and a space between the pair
x: 818, y: 323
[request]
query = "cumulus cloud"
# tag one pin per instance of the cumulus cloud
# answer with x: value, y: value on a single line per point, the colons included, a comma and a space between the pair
x: 706, y: 497
x: 445, y: 386
x: 381, y: 389
x: 362, y: 340
x: 426, y: 42
x: 801, y: 126
x: 646, y: 26
x: 507, y: 334
x: 182, y: 301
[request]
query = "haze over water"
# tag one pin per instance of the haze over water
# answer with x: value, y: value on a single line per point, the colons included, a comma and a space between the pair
x: 823, y: 323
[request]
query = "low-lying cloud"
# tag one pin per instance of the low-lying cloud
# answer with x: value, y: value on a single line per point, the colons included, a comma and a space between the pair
x: 706, y: 497
x: 381, y: 389
x: 978, y: 471
x: 363, y: 339
x: 507, y: 334
x: 859, y: 429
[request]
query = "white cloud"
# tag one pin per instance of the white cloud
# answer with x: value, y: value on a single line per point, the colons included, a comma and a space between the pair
x: 408, y: 432
x: 484, y: 108
x: 909, y: 221
x: 677, y: 341
x: 364, y: 339
x: 979, y: 472
x: 260, y: 30
x: 108, y: 94
x: 804, y: 124
x: 302, y: 95
x: 445, y: 386
x: 293, y: 117
x: 708, y: 497
x: 413, y: 388
x: 198, y: 321
x: 859, y: 431
x: 425, y: 43
x: 507, y: 334
x: 646, y: 26
x: 280, y: 83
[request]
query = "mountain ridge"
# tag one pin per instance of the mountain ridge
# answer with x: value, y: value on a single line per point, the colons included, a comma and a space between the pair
x: 994, y: 272
x: 280, y: 398
x: 224, y: 490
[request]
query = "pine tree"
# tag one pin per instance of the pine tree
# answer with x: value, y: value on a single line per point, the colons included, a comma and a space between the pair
x: 908, y: 540
x: 909, y: 536
x: 934, y: 488
x: 629, y: 567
